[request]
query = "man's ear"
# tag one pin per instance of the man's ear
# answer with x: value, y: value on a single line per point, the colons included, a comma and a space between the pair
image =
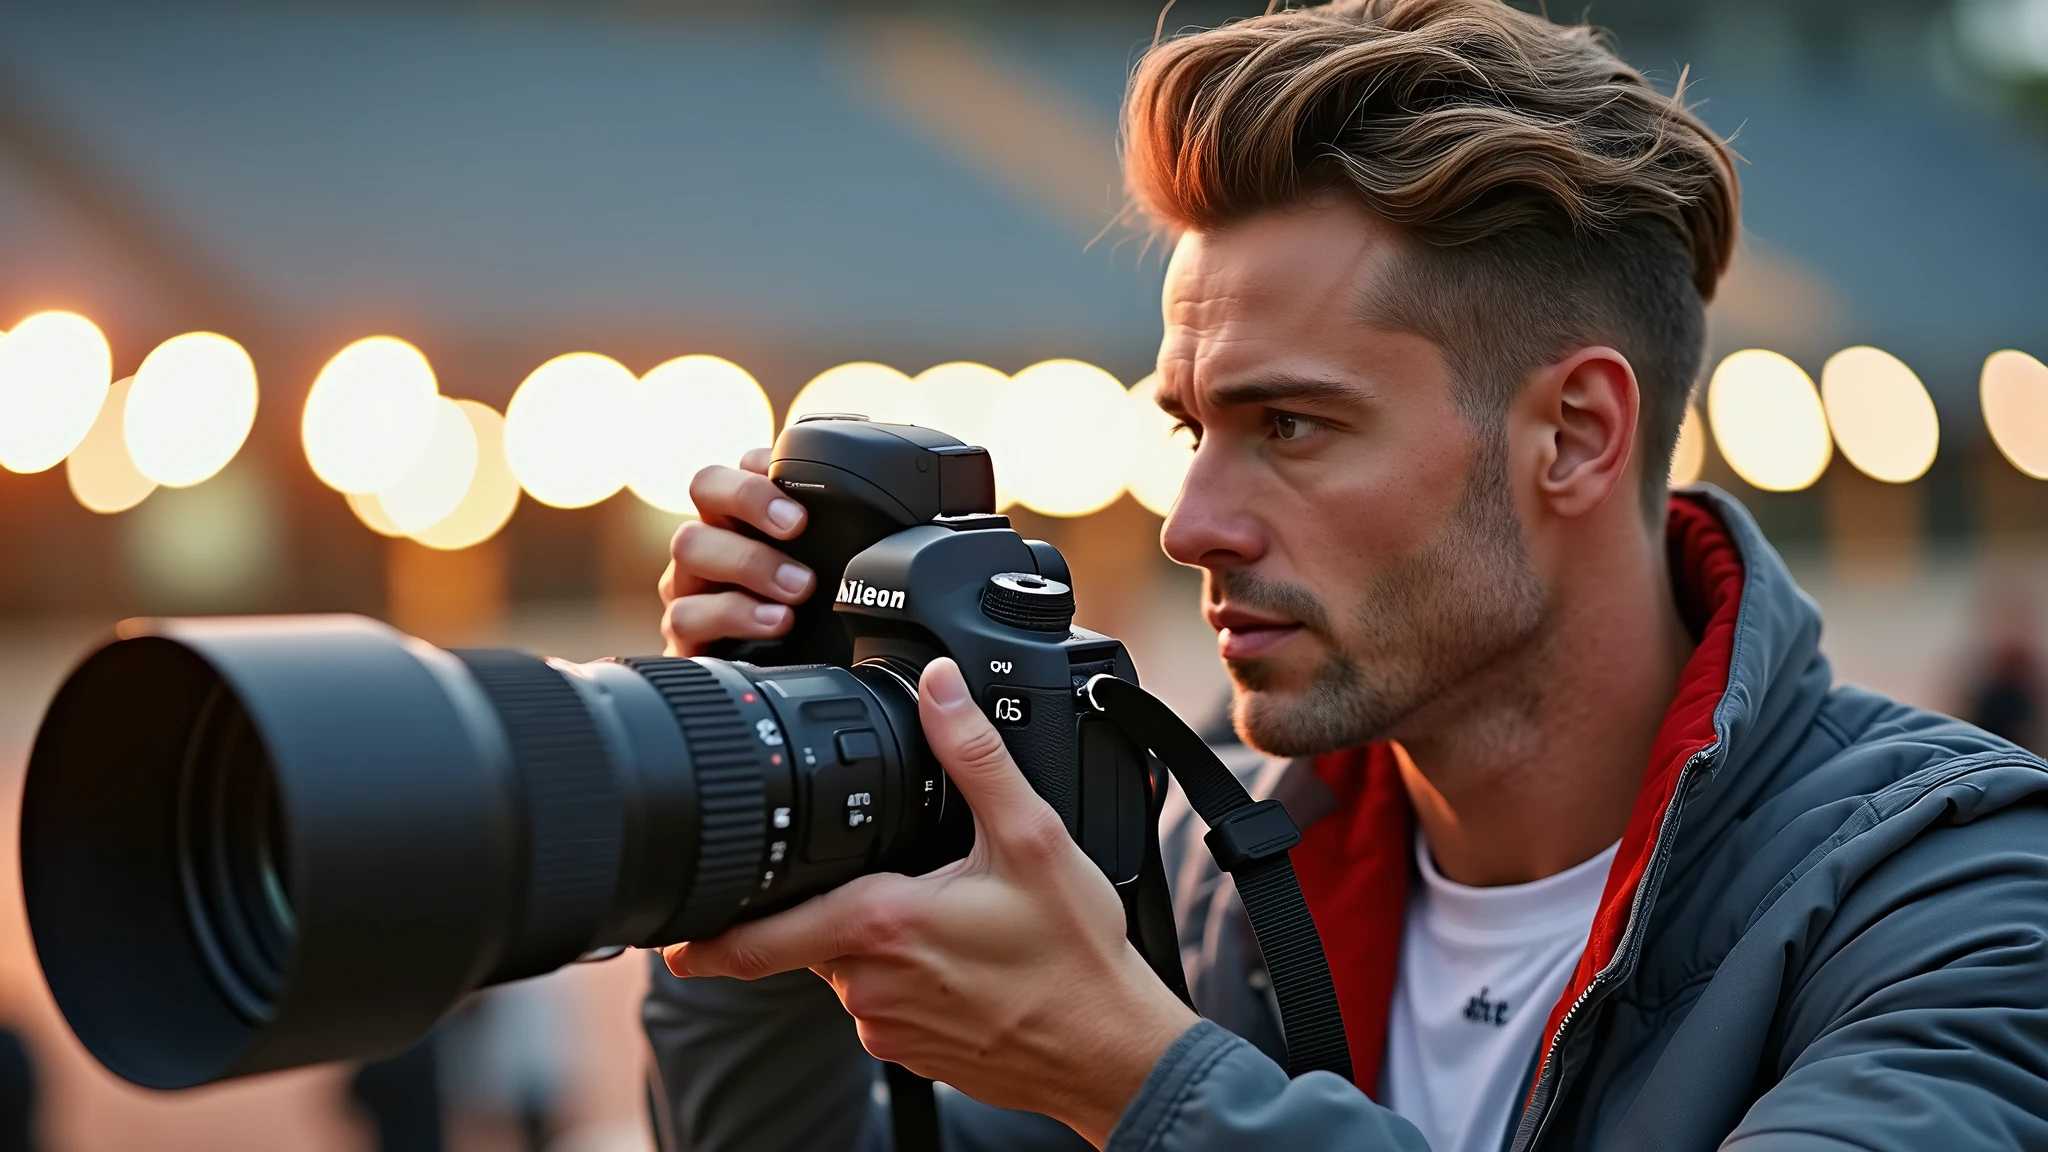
x: 1581, y: 416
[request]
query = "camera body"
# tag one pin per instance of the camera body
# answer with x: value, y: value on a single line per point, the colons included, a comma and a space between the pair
x: 954, y: 579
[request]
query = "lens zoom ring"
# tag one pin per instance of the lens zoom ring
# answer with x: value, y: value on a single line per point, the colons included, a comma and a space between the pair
x: 572, y: 806
x: 725, y: 758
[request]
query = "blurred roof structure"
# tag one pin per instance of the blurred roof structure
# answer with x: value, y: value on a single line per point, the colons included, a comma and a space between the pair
x: 484, y: 177
x: 505, y: 182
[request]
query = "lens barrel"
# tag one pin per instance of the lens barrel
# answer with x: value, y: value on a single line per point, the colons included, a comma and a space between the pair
x: 249, y: 844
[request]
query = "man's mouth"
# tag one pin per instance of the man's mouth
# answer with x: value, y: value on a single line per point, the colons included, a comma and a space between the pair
x: 1242, y: 635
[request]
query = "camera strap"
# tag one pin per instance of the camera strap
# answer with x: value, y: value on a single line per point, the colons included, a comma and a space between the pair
x: 1249, y: 840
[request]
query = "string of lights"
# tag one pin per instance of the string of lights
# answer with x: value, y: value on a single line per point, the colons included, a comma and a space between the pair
x: 1068, y: 438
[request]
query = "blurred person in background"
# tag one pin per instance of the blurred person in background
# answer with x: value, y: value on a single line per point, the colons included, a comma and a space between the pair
x: 1599, y: 853
x: 17, y: 1094
x: 401, y: 1096
x: 2006, y: 700
x: 2004, y: 692
x: 504, y: 1063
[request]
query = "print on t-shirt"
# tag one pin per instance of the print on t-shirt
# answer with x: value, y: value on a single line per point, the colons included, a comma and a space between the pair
x: 1480, y: 1010
x: 1480, y: 968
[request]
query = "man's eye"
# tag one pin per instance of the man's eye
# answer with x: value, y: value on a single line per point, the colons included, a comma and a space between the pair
x: 1192, y: 430
x: 1288, y: 426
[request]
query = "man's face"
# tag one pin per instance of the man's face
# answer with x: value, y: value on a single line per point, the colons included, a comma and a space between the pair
x: 1358, y: 532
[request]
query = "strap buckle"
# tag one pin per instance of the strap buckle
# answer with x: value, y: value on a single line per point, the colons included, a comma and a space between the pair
x: 1250, y: 834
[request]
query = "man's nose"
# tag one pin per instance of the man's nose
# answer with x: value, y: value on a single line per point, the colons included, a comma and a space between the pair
x: 1212, y: 524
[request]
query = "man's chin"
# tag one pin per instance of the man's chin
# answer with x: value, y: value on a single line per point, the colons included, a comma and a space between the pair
x: 1298, y: 722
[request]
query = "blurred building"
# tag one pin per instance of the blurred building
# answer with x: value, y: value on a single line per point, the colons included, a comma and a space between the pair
x: 794, y: 185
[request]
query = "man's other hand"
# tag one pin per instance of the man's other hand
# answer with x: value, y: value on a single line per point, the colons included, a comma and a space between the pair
x: 1005, y: 974
x: 721, y: 585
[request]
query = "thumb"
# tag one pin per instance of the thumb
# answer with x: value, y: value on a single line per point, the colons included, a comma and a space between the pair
x: 972, y: 751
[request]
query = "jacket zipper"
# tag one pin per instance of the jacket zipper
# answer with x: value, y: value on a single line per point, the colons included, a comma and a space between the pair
x: 1537, y: 1116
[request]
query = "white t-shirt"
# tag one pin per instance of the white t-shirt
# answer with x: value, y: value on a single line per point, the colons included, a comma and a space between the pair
x: 1480, y: 970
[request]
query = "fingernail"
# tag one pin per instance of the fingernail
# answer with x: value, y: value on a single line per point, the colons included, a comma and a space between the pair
x: 947, y: 687
x: 771, y: 614
x: 785, y: 513
x: 793, y: 578
x: 678, y: 960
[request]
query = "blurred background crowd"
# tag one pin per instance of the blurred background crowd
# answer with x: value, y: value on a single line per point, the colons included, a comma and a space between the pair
x: 428, y: 311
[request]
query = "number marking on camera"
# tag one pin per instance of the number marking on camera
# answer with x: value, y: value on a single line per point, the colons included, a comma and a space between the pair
x: 1008, y: 707
x: 999, y: 667
x: 768, y: 732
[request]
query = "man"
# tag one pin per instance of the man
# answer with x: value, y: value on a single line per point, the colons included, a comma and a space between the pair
x: 1599, y: 855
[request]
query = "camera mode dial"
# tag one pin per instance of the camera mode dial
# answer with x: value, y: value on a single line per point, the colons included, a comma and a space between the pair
x: 1028, y: 600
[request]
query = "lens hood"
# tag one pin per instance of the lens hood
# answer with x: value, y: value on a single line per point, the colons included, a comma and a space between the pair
x: 233, y: 831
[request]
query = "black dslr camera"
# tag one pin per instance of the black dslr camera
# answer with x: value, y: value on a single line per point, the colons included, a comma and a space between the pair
x: 323, y: 833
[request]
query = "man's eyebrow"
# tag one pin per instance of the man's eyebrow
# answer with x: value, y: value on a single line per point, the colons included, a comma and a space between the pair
x: 1268, y: 389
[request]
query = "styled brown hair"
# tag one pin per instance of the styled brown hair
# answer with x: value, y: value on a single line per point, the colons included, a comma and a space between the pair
x: 1558, y: 199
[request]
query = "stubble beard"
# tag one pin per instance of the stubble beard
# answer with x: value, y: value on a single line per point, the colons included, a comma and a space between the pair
x: 1467, y: 600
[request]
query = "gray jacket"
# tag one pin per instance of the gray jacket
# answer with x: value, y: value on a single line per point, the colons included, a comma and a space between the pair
x: 1840, y: 941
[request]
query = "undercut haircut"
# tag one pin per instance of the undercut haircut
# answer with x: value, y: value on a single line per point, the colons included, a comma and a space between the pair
x: 1548, y: 197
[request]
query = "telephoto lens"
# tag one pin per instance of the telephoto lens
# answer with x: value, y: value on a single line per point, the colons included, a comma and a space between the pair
x: 249, y: 844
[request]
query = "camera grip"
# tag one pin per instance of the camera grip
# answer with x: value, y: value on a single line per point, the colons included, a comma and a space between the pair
x: 1046, y: 749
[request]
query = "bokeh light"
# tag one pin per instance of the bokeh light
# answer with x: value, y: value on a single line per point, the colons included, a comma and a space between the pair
x: 429, y: 491
x: 567, y: 429
x: 1162, y: 449
x: 2014, y: 392
x: 1767, y: 421
x: 369, y: 415
x: 191, y: 408
x: 691, y: 412
x: 101, y: 475
x: 493, y: 492
x: 1067, y: 428
x: 54, y: 371
x: 960, y: 399
x: 370, y: 511
x: 875, y: 391
x: 1689, y: 455
x: 1882, y: 417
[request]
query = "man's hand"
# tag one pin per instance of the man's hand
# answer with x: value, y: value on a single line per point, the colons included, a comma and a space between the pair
x: 1005, y: 974
x: 722, y: 585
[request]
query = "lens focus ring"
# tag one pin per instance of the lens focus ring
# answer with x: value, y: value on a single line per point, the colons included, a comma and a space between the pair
x: 725, y: 759
x: 572, y: 808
